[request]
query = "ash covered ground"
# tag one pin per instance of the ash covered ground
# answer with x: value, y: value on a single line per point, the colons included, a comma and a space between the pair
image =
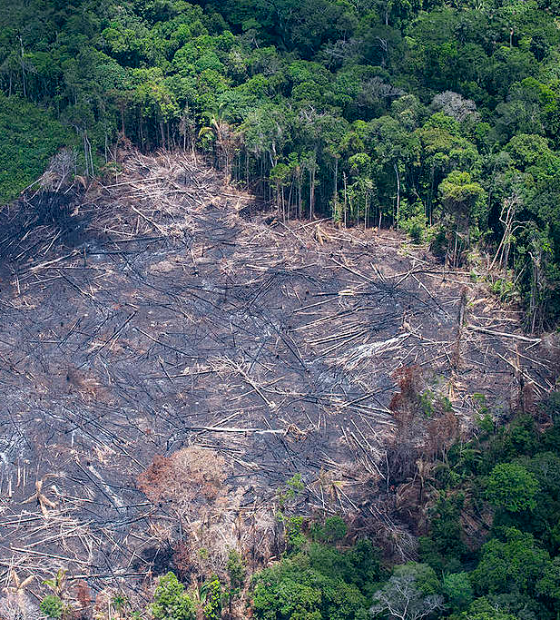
x: 170, y: 356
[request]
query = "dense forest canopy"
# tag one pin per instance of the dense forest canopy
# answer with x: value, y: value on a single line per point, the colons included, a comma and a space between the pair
x: 439, y: 118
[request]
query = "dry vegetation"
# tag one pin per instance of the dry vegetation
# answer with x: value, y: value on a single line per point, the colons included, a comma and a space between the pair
x: 169, y: 356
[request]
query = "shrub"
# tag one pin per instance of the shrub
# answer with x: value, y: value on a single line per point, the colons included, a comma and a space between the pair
x: 52, y: 606
x: 171, y: 602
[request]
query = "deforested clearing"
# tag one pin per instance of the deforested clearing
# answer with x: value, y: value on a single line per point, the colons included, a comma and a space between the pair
x: 171, y: 353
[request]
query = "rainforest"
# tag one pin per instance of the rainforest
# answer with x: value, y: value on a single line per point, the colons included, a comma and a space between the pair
x: 280, y: 309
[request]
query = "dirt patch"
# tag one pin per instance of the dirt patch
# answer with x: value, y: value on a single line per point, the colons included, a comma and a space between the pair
x: 192, y: 475
x: 192, y: 485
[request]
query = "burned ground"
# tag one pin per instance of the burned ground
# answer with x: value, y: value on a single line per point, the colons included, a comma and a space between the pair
x: 169, y: 357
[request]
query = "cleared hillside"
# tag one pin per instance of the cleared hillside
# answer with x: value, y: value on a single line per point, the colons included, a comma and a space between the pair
x: 170, y: 356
